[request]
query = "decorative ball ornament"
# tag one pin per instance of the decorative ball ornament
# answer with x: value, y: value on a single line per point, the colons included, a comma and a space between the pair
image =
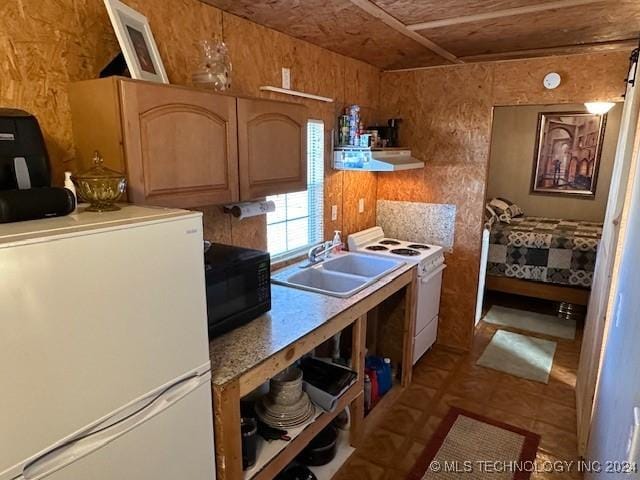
x: 551, y: 80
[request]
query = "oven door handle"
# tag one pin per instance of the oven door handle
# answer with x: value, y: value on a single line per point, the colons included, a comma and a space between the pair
x: 431, y: 275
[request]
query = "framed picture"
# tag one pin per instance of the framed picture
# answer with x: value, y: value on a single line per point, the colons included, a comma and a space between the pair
x: 567, y: 154
x: 136, y: 42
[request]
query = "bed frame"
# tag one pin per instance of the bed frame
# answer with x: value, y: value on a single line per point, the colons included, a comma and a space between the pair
x: 546, y: 291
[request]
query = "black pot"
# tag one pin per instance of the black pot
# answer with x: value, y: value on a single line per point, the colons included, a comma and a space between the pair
x: 322, y: 449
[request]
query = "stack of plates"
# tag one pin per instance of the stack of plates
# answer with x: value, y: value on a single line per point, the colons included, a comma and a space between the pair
x: 286, y: 405
x: 285, y: 416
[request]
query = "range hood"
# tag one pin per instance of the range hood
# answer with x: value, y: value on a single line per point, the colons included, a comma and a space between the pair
x: 374, y: 159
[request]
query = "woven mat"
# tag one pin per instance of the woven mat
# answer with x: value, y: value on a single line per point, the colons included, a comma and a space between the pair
x: 519, y: 355
x: 531, y: 322
x: 465, y: 443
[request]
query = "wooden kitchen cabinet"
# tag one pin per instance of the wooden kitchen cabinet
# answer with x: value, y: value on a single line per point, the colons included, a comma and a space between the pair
x: 177, y: 145
x: 185, y: 147
x: 272, y: 147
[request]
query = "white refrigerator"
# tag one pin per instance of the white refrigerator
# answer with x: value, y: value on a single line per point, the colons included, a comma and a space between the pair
x: 104, y: 363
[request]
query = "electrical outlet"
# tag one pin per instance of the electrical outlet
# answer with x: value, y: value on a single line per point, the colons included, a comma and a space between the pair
x: 361, y: 205
x: 334, y: 213
x: 286, y: 78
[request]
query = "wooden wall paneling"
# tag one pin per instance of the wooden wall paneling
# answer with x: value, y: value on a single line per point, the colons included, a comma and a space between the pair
x: 97, y: 103
x: 250, y: 232
x: 178, y: 27
x: 551, y: 28
x: 257, y: 55
x: 44, y: 46
x: 584, y: 78
x: 217, y: 226
x: 448, y: 116
x: 361, y: 86
x: 357, y: 185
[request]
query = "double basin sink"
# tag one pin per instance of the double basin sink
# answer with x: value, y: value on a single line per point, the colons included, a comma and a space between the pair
x: 342, y: 275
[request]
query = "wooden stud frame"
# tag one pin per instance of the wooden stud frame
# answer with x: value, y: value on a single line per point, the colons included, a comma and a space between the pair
x: 227, y: 397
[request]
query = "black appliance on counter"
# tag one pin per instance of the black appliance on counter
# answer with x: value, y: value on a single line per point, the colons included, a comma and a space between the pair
x: 388, y: 135
x: 238, y: 282
x: 21, y: 144
x: 25, y: 175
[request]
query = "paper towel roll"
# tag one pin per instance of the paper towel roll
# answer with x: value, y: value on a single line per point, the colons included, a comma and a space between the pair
x: 250, y: 209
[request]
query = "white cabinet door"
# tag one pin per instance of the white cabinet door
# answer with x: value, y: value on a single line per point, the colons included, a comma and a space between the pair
x: 428, y: 298
x: 425, y: 339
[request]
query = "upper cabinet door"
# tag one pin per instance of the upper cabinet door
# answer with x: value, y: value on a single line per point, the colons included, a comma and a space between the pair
x: 180, y: 145
x: 272, y: 146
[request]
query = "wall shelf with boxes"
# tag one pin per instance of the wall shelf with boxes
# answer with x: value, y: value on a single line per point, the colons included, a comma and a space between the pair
x: 187, y: 147
x: 374, y: 148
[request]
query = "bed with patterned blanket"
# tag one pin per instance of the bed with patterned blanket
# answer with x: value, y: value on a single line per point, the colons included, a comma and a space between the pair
x: 561, y: 252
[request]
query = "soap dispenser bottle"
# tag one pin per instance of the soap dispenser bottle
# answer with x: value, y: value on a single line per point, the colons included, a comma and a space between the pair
x: 337, y: 241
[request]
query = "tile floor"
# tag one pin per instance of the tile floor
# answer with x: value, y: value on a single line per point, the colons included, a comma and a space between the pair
x: 442, y: 379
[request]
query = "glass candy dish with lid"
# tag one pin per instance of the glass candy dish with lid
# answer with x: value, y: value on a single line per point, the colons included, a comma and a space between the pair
x: 100, y: 186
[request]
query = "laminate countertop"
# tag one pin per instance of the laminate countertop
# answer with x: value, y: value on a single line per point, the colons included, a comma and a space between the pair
x: 294, y: 314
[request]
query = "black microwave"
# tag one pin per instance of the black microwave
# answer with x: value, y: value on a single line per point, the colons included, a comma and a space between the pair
x: 238, y: 282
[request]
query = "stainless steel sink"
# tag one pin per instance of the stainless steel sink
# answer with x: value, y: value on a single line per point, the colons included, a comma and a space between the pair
x: 342, y: 275
x: 362, y: 265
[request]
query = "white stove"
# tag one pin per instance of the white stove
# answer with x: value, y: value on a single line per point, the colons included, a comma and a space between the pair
x: 430, y: 263
x: 374, y: 242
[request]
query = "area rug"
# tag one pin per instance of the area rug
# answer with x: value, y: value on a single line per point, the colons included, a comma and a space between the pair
x: 474, y: 447
x: 531, y: 322
x: 519, y: 355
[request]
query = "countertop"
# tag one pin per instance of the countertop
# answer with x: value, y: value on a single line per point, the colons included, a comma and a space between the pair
x: 294, y: 314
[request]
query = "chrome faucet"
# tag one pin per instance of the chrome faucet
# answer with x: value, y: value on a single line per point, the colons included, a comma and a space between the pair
x: 319, y: 253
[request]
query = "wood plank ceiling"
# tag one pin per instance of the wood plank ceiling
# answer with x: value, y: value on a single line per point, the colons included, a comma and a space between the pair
x: 398, y: 34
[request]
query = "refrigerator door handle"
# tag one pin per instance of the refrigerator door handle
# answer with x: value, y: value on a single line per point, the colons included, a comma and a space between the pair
x: 89, y: 441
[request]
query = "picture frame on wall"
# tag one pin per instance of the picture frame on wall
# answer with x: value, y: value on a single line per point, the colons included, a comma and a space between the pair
x: 136, y: 42
x: 567, y: 153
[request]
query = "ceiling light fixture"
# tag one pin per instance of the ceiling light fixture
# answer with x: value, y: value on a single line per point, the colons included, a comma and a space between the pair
x: 599, y: 108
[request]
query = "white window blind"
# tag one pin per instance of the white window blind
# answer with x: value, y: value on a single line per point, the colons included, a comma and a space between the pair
x: 297, y: 222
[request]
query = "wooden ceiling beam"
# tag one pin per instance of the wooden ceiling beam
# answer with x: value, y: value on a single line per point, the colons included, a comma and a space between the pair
x: 616, y: 45
x: 400, y: 27
x: 507, y: 12
x: 628, y: 44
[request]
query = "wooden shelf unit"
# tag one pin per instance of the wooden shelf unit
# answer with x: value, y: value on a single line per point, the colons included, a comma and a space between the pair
x: 297, y: 444
x: 343, y: 452
x: 226, y: 397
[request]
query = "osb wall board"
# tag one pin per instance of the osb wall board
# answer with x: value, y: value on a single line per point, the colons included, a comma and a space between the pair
x: 584, y: 78
x: 259, y: 53
x: 44, y: 46
x: 448, y: 116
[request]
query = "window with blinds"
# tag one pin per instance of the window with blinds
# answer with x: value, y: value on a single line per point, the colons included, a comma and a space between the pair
x: 297, y: 222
